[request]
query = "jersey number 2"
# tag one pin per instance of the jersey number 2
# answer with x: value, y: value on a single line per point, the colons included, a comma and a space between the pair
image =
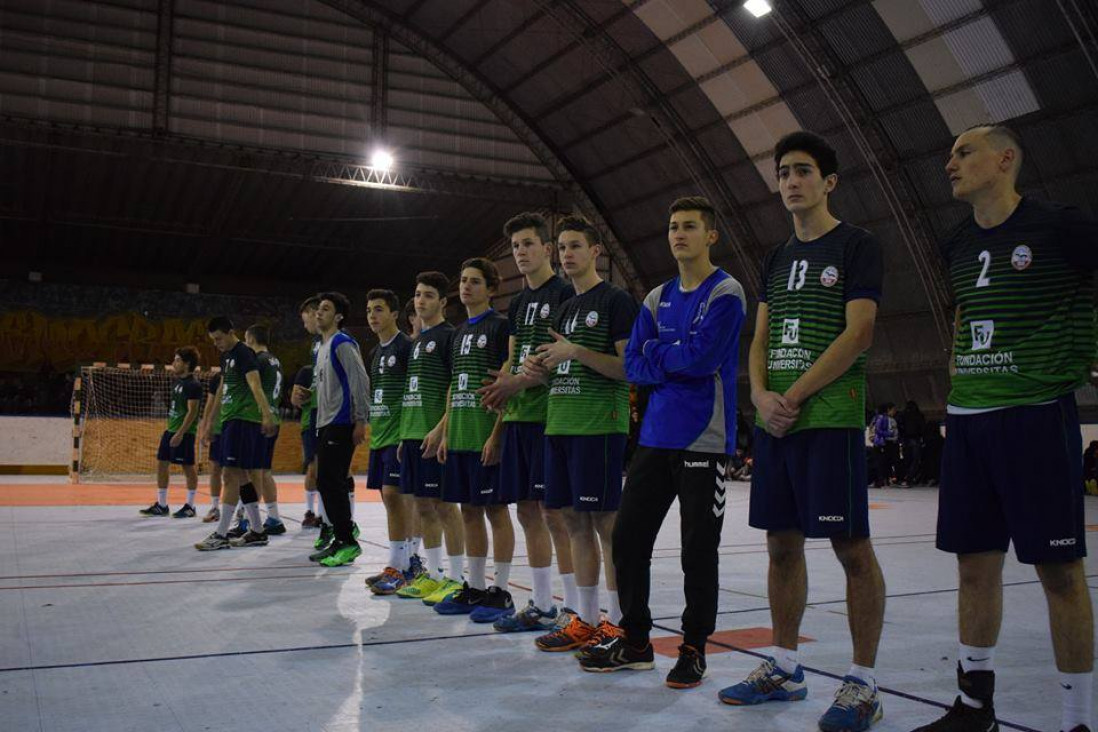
x: 983, y: 280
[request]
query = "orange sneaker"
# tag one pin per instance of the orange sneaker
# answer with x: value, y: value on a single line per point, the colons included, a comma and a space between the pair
x: 570, y: 637
x: 605, y: 632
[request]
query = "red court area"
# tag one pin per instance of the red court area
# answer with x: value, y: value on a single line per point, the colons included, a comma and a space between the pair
x: 291, y: 490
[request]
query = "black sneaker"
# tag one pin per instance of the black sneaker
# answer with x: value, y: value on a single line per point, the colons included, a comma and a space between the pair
x: 689, y: 670
x: 963, y: 718
x: 186, y: 512
x: 250, y: 538
x: 614, y: 654
x: 311, y: 521
x: 238, y: 531
x: 497, y: 603
x: 326, y: 551
x: 155, y: 510
x: 1080, y: 728
x: 273, y: 527
x: 327, y: 533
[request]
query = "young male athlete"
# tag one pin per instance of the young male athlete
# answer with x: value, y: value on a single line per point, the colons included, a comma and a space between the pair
x: 586, y: 426
x: 523, y: 401
x: 685, y: 346
x: 807, y: 368
x: 177, y: 442
x: 1022, y: 273
x: 270, y: 375
x: 209, y: 433
x: 422, y: 409
x: 246, y: 420
x: 467, y: 441
x: 303, y: 396
x: 388, y: 373
x: 343, y: 411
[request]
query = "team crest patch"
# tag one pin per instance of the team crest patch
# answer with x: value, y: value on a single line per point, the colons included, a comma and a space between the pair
x: 592, y: 319
x: 430, y: 347
x: 392, y: 360
x: 482, y: 341
x: 829, y: 277
x: 545, y: 310
x: 1021, y: 258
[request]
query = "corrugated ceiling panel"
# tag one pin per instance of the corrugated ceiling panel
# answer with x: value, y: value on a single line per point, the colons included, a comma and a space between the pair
x: 302, y: 18
x: 668, y: 17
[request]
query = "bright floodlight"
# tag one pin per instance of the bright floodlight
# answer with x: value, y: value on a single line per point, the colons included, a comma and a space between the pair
x: 758, y: 8
x: 381, y: 160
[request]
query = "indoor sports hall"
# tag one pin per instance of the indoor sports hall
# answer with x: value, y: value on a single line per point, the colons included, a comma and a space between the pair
x: 351, y: 350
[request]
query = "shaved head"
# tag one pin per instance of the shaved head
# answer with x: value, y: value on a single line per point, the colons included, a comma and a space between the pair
x: 1002, y: 138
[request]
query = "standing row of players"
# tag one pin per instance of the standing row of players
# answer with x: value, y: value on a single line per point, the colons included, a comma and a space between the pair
x: 532, y: 408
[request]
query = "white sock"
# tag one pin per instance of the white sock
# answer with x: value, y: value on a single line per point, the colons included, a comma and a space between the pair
x: 190, y: 497
x: 397, y: 558
x: 786, y: 659
x: 476, y: 572
x: 865, y: 673
x: 589, y: 604
x: 571, y: 592
x: 272, y: 511
x: 543, y: 588
x: 434, y: 562
x: 310, y: 501
x: 457, y: 566
x: 351, y: 499
x: 612, y: 607
x: 503, y: 575
x: 224, y: 522
x: 162, y: 496
x: 975, y: 658
x: 416, y: 542
x: 1077, y: 700
x: 252, y: 509
x: 320, y: 506
x: 215, y: 502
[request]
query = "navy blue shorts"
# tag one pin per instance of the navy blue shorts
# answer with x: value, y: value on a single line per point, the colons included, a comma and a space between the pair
x: 215, y: 449
x: 384, y: 468
x: 269, y: 451
x: 1014, y: 475
x: 813, y: 481
x: 182, y: 455
x: 584, y: 471
x: 419, y: 476
x: 308, y: 447
x: 465, y: 480
x: 243, y: 445
x: 522, y: 460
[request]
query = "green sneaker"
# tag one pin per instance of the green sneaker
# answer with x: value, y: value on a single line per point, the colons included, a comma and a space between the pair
x: 420, y: 587
x: 344, y: 554
x: 354, y: 529
x: 445, y: 590
x: 327, y: 533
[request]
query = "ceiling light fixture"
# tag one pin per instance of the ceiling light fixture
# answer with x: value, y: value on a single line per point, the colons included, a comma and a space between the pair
x: 381, y: 160
x: 758, y: 8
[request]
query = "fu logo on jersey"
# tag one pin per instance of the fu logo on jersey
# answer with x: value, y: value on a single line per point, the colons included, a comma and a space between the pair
x: 982, y: 333
x: 413, y: 383
x: 592, y: 319
x: 1021, y: 258
x: 378, y: 394
x: 791, y: 331
x: 482, y: 341
x: 829, y: 277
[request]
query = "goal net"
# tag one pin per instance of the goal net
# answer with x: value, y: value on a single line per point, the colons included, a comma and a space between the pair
x: 119, y: 413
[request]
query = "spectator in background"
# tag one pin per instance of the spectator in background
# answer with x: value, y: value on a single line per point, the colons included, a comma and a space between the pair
x: 912, y: 424
x: 1090, y: 468
x: 885, y: 444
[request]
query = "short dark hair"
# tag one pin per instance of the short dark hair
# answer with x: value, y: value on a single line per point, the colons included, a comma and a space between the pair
x: 812, y: 144
x: 486, y: 267
x: 339, y: 300
x: 220, y: 323
x: 388, y: 296
x: 699, y: 204
x: 309, y: 303
x: 434, y: 279
x: 582, y: 225
x: 189, y: 356
x: 260, y: 333
x: 1004, y: 137
x: 528, y: 220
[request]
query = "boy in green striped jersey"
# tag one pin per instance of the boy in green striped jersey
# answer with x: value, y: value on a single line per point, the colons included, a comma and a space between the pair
x: 177, y: 442
x: 1022, y: 273
x: 270, y: 375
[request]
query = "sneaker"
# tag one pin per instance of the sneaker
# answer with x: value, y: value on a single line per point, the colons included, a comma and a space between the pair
x: 324, y: 553
x: 856, y: 708
x: 766, y: 683
x: 497, y: 603
x: 963, y: 718
x: 530, y: 617
x: 342, y: 553
x: 461, y: 602
x: 214, y: 514
x: 311, y: 521
x: 444, y: 592
x: 1080, y: 728
x: 375, y: 578
x: 689, y: 669
x: 155, y: 510
x: 415, y: 567
x: 615, y: 654
x: 392, y: 579
x: 354, y: 529
x: 569, y: 638
x: 250, y: 538
x: 213, y: 542
x: 327, y: 533
x: 604, y: 631
x: 186, y: 512
x: 420, y: 587
x: 239, y: 530
x: 273, y: 527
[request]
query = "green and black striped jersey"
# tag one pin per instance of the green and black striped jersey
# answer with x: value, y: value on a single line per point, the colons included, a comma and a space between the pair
x: 479, y: 346
x: 388, y: 377
x: 1025, y: 293
x: 183, y: 391
x: 581, y: 400
x: 237, y: 401
x: 424, y: 400
x: 270, y: 375
x: 806, y: 286
x: 530, y: 314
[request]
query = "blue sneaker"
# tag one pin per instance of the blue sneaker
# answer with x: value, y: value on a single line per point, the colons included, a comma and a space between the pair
x: 274, y: 527
x: 392, y: 579
x: 461, y: 602
x: 415, y: 567
x: 766, y: 683
x: 529, y: 618
x: 496, y: 604
x: 856, y: 707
